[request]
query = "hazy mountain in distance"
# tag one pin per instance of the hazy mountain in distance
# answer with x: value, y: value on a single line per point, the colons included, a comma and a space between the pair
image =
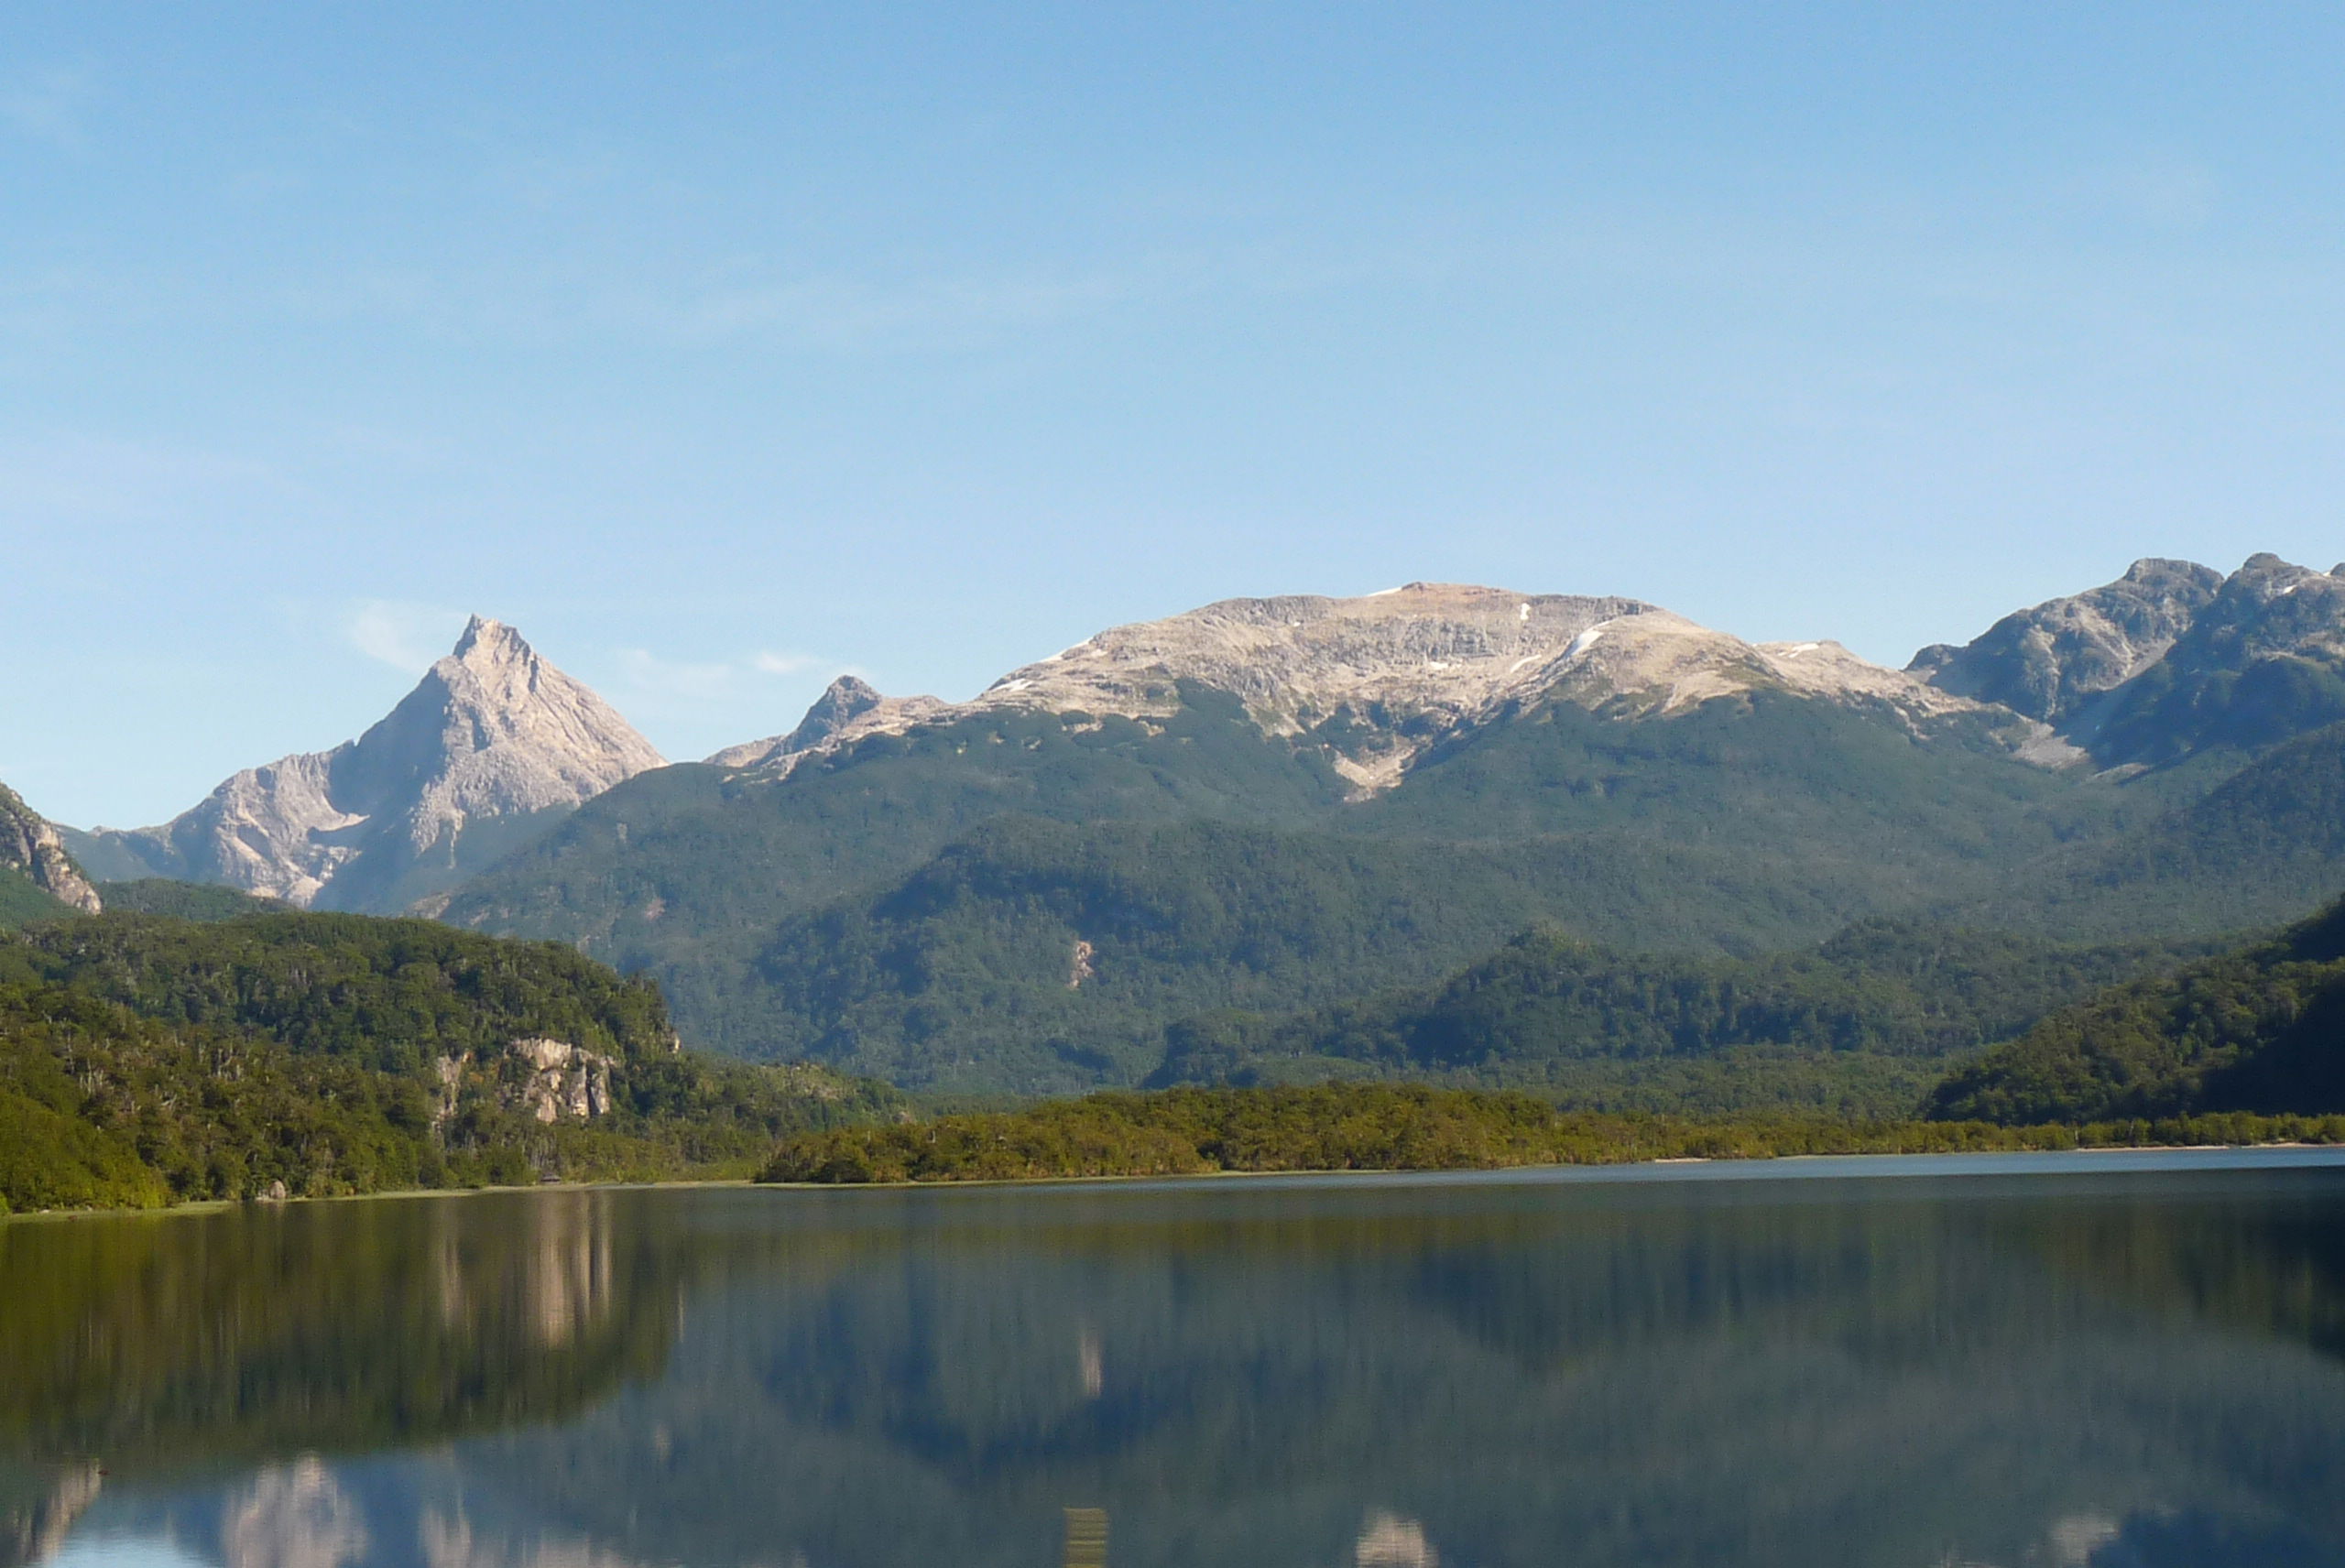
x: 492, y: 745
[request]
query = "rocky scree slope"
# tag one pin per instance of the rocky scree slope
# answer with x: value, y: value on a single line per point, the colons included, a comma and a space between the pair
x: 491, y: 743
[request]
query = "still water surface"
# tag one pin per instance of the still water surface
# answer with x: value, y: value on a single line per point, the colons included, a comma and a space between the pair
x: 2115, y: 1359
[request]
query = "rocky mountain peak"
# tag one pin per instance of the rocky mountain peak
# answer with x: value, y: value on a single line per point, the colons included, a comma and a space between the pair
x: 491, y: 739
x: 2046, y: 661
x: 844, y: 700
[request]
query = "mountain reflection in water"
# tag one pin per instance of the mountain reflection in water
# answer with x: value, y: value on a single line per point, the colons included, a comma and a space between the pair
x: 2139, y: 1368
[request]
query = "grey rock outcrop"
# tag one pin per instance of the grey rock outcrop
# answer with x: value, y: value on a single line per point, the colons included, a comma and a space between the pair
x: 2046, y: 662
x: 563, y: 1080
x: 2261, y: 663
x: 2169, y: 661
x: 491, y: 745
x: 30, y: 844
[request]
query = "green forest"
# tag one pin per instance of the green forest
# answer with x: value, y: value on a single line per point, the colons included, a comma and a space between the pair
x: 1414, y: 1127
x: 146, y: 1059
x: 2258, y: 1029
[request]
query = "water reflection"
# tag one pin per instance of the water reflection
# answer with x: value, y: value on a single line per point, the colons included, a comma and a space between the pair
x: 2114, y: 1370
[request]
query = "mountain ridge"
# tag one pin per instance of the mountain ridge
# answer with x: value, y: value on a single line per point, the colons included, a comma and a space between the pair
x: 1381, y: 678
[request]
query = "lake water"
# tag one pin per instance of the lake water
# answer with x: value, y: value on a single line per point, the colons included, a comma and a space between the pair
x: 2105, y: 1359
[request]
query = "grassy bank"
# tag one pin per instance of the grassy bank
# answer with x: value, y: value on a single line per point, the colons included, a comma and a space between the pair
x: 1380, y: 1126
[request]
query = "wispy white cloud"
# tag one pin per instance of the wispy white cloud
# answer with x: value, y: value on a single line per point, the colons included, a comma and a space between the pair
x: 784, y: 663
x: 714, y: 681
x: 408, y: 637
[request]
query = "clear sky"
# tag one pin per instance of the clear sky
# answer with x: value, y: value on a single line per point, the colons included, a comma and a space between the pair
x: 720, y: 347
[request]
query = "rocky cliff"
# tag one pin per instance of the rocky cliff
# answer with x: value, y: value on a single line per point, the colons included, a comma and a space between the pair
x: 491, y: 745
x: 30, y: 844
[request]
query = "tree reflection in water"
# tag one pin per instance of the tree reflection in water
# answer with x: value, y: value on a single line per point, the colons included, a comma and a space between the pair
x: 2113, y: 1369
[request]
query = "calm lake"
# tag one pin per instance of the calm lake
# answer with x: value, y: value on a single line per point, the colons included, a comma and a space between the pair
x: 2063, y: 1359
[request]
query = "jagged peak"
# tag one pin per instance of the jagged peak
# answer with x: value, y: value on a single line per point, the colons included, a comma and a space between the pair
x: 487, y: 642
x: 842, y: 701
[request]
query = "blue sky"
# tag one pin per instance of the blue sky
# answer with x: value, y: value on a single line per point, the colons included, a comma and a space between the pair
x: 721, y: 347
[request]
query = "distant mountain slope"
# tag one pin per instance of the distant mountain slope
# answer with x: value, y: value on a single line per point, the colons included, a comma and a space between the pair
x: 21, y: 902
x: 2261, y: 664
x: 1450, y: 764
x: 489, y: 747
x: 2261, y: 847
x: 185, y: 901
x: 1205, y: 864
x: 2259, y: 1029
x: 1848, y: 1025
x: 1043, y: 956
x: 33, y: 848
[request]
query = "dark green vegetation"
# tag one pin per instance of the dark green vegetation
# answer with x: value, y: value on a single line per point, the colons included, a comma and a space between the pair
x: 1858, y: 1027
x: 2262, y: 845
x: 145, y: 1059
x: 2261, y: 1031
x: 185, y: 900
x: 21, y: 902
x: 923, y: 906
x: 1376, y: 1126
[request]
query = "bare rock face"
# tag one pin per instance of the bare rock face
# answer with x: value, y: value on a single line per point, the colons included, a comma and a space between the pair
x: 30, y: 844
x: 1390, y: 674
x: 2048, y: 662
x: 563, y: 1080
x: 491, y: 738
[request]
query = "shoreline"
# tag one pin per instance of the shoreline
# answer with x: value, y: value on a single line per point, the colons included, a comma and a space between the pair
x: 1745, y: 1167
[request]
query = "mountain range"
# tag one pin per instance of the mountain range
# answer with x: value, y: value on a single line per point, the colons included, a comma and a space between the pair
x: 1295, y: 804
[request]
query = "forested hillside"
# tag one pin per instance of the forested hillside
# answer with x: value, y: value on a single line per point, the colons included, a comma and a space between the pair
x: 146, y: 1060
x: 2260, y: 1030
x: 914, y: 905
x: 1860, y: 1025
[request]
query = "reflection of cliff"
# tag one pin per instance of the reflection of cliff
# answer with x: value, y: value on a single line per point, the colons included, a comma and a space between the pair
x: 274, y: 1332
x: 37, y: 1507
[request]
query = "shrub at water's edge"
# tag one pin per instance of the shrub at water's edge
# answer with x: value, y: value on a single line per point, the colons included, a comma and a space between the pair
x: 1384, y: 1127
